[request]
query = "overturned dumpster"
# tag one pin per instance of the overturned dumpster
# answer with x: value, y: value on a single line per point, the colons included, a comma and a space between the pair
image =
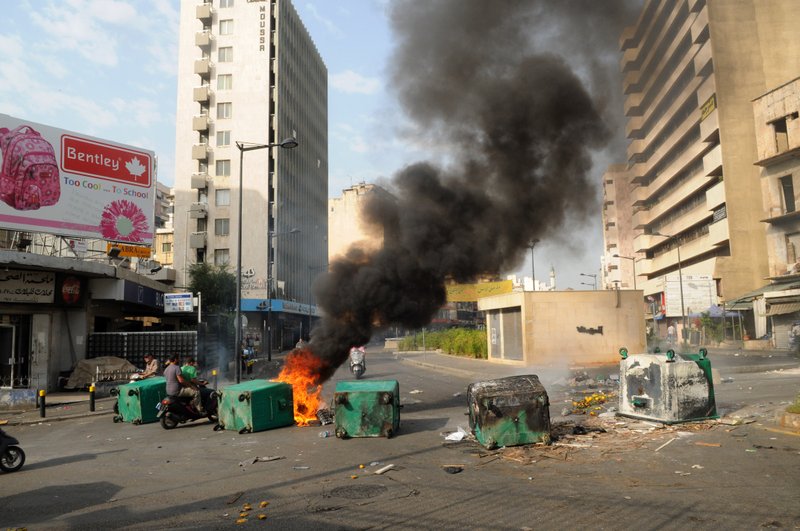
x: 256, y: 405
x: 137, y: 401
x: 509, y: 411
x: 366, y: 408
x: 666, y: 387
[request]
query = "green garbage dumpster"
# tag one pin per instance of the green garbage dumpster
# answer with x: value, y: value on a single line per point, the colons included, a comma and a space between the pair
x: 137, y: 401
x: 256, y: 405
x: 367, y: 408
x: 509, y: 411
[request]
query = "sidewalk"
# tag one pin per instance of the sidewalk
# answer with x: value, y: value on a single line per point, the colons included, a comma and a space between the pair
x: 60, y: 406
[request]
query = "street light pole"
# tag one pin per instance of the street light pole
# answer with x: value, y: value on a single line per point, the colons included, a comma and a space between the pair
x: 593, y: 277
x: 271, y: 235
x: 633, y: 261
x: 288, y: 143
x: 532, y: 244
x: 680, y: 280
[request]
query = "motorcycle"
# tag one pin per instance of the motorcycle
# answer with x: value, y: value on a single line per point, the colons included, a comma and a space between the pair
x: 12, y: 457
x: 358, y: 364
x: 174, y: 410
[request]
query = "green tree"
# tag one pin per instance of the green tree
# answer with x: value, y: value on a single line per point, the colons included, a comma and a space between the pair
x: 714, y: 327
x: 217, y: 285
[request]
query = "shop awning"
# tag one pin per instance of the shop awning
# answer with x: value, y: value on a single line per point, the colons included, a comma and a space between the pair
x: 783, y: 308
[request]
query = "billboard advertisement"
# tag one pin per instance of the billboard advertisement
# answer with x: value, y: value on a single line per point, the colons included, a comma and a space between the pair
x: 61, y: 182
x: 699, y: 293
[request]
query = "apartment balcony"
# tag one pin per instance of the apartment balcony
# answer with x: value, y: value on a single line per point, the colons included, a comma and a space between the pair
x: 641, y: 219
x: 203, y: 12
x: 199, y: 181
x: 631, y: 82
x: 669, y: 260
x: 633, y: 127
x: 640, y: 195
x: 632, y: 104
x: 700, y: 27
x: 198, y: 210
x: 778, y: 216
x: 696, y: 5
x: 703, y: 57
x: 637, y: 172
x: 644, y: 242
x: 718, y: 233
x: 712, y: 162
x: 200, y: 151
x: 201, y: 122
x: 715, y: 196
x: 709, y: 126
x: 630, y: 59
x: 197, y: 240
x: 203, y: 38
x: 677, y: 194
x: 202, y: 67
x: 201, y: 94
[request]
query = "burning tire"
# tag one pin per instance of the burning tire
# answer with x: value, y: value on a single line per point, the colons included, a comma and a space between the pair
x: 12, y: 459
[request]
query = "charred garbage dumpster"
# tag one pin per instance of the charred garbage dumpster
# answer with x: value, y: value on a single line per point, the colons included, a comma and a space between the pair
x: 366, y: 408
x: 137, y: 401
x: 509, y: 411
x: 256, y: 405
x: 666, y: 387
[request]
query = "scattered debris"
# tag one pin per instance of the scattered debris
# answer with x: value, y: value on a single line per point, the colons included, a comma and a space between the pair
x: 414, y: 392
x: 713, y: 445
x: 453, y: 469
x: 325, y: 416
x: 384, y: 470
x: 666, y: 443
x: 458, y: 435
x: 699, y: 467
x: 300, y: 467
x: 234, y: 498
x: 261, y: 459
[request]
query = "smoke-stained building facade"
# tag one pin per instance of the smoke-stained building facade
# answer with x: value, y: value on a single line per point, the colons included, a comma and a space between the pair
x: 249, y: 72
x: 691, y: 70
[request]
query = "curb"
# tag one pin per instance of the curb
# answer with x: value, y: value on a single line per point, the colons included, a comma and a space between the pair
x: 40, y: 420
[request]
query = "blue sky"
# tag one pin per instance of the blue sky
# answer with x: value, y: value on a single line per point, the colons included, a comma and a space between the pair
x: 107, y: 68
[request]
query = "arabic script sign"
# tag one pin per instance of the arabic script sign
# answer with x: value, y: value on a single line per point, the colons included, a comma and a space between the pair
x: 27, y: 286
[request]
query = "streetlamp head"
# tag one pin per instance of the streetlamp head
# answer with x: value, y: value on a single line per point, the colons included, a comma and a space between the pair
x: 289, y: 143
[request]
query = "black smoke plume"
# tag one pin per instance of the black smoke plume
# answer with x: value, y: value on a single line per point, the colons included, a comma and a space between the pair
x: 518, y: 126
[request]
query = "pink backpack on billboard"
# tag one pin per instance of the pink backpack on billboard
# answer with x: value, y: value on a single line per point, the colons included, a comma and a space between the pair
x: 29, y: 174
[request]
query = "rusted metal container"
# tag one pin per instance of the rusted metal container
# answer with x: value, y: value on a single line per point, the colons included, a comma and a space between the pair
x: 256, y: 405
x: 666, y: 387
x: 137, y: 401
x: 367, y: 408
x: 509, y: 411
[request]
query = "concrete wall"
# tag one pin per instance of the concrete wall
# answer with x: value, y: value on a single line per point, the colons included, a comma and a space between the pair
x: 571, y: 327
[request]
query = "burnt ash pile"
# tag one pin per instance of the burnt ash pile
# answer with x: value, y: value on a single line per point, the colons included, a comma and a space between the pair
x: 517, y: 126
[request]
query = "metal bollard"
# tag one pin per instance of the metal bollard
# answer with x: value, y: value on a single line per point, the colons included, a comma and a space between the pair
x: 214, y: 374
x: 42, y: 394
x: 91, y: 398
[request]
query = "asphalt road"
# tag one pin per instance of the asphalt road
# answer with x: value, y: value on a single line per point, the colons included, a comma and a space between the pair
x: 90, y: 473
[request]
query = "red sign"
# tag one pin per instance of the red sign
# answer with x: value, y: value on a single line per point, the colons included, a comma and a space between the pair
x: 104, y: 161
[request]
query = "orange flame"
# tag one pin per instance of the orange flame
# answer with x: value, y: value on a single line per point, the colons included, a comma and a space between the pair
x: 301, y: 369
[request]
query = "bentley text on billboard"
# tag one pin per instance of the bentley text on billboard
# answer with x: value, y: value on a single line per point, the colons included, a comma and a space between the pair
x: 104, y: 161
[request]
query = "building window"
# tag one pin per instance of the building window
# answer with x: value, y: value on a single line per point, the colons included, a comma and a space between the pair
x: 223, y: 168
x: 225, y: 54
x: 166, y: 247
x: 222, y: 227
x: 222, y: 257
x: 792, y: 247
x: 226, y: 26
x: 224, y: 110
x: 222, y: 197
x: 225, y: 3
x: 224, y: 81
x: 202, y: 167
x: 787, y: 187
x: 223, y: 139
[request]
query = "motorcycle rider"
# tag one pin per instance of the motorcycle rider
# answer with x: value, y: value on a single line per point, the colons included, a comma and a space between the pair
x: 178, y: 385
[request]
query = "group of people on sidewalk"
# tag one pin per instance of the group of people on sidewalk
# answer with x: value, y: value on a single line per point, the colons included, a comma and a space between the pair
x: 182, y: 381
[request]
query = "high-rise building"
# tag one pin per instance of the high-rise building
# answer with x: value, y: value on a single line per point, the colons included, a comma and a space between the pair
x: 691, y: 70
x: 249, y: 72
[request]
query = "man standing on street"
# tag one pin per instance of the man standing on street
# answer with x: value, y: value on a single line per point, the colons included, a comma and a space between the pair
x: 151, y: 367
x: 179, y: 386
